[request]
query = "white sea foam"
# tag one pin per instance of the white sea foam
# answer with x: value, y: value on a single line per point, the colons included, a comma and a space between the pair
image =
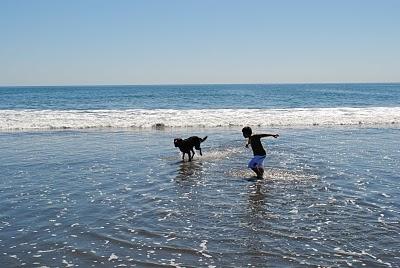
x: 165, y: 118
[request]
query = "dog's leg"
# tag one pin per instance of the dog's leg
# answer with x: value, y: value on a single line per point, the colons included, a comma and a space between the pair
x: 183, y: 156
x: 198, y: 147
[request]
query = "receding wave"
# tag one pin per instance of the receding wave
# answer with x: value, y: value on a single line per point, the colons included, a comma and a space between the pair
x: 171, y: 118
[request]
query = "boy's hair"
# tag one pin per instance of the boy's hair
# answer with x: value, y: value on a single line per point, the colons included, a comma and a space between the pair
x: 247, y: 130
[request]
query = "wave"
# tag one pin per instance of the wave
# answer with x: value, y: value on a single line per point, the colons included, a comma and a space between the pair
x: 171, y: 118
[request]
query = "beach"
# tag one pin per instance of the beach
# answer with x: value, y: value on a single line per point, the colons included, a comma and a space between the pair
x: 330, y: 197
x: 297, y: 105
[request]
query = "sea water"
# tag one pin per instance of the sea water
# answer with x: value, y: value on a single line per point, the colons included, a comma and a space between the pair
x: 42, y: 108
x: 89, y: 176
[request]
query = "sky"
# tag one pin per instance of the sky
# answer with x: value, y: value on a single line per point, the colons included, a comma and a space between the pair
x: 128, y: 42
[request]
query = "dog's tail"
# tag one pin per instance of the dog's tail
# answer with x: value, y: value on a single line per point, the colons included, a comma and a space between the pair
x: 203, y: 139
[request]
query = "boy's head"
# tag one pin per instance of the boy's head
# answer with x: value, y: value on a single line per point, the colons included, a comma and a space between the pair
x: 247, y: 132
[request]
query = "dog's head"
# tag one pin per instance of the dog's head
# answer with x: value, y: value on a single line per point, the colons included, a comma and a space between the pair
x: 177, y: 142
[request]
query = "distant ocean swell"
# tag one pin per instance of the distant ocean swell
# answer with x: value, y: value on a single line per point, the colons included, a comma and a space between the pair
x: 171, y: 118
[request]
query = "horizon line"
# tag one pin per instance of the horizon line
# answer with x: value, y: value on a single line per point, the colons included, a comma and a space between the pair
x: 197, y: 84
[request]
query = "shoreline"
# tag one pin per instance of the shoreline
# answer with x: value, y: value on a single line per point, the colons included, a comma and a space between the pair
x: 199, y: 128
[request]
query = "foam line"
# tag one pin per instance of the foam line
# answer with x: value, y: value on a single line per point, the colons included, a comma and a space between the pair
x: 170, y: 118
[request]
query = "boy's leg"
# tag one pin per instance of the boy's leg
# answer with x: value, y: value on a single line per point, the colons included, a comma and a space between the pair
x: 261, y: 168
x: 256, y: 164
x: 259, y: 171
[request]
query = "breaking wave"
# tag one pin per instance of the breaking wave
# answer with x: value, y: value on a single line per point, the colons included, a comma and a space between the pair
x: 171, y: 118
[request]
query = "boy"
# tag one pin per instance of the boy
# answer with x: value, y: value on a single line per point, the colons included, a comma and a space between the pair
x: 256, y: 164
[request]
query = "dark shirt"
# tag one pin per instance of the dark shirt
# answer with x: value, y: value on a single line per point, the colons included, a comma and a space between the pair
x: 256, y: 145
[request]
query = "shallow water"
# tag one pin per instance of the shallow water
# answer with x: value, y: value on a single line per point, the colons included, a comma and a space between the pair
x: 124, y: 198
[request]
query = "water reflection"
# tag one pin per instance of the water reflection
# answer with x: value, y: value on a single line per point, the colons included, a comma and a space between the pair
x: 256, y: 199
x: 189, y: 169
x: 255, y: 221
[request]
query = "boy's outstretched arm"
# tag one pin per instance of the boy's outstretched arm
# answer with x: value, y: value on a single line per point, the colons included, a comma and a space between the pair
x: 269, y: 135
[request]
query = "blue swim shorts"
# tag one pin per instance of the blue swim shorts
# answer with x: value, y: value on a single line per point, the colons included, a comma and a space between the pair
x: 256, y: 161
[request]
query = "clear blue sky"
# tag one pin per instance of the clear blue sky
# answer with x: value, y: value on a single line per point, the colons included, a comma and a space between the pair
x: 54, y: 42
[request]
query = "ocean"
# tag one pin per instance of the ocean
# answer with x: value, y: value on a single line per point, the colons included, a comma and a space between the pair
x: 90, y: 176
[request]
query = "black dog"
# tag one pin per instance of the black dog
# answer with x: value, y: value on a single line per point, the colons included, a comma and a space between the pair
x: 186, y: 146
